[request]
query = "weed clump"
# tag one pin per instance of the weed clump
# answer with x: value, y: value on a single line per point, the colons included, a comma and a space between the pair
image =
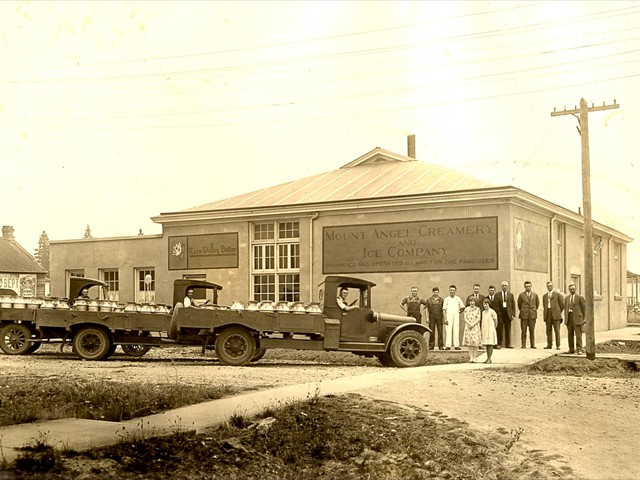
x: 54, y: 398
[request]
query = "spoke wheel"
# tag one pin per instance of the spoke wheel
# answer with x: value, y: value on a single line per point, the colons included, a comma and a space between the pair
x: 235, y: 346
x: 92, y: 343
x: 15, y: 339
x: 135, y: 350
x: 409, y: 349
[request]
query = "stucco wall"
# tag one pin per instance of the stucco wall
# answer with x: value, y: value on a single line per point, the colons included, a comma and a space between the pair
x: 525, y: 256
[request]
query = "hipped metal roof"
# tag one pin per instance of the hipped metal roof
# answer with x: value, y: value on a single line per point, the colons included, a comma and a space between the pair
x: 379, y: 173
x: 376, y: 175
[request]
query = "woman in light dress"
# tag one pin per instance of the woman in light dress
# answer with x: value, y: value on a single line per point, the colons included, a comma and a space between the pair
x: 472, y: 337
x: 489, y: 334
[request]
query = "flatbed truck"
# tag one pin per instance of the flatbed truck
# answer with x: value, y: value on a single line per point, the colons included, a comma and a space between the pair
x: 239, y: 334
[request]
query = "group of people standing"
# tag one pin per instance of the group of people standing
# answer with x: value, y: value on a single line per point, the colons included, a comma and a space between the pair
x: 487, y: 318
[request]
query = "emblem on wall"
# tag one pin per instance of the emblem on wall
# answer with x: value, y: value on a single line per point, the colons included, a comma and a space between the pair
x: 518, y: 236
x: 530, y: 246
x: 177, y: 253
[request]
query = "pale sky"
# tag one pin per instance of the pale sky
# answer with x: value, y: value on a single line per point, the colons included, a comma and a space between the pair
x: 111, y: 113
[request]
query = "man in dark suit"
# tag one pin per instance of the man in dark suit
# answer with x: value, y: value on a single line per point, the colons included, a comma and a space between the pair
x: 506, y: 311
x: 493, y: 298
x: 479, y: 298
x: 575, y: 315
x: 552, y: 307
x: 528, y: 304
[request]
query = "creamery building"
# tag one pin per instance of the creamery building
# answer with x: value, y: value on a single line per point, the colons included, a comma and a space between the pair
x: 386, y: 217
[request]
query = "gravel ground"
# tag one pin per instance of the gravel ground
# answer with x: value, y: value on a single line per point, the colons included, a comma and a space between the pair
x: 587, y: 421
x: 188, y: 366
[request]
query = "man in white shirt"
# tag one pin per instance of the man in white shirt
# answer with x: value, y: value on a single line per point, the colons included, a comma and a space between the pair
x: 188, y: 300
x: 452, y: 308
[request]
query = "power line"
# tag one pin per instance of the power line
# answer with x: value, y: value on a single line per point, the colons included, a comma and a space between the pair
x: 282, y: 44
x: 470, y: 36
x: 348, y: 114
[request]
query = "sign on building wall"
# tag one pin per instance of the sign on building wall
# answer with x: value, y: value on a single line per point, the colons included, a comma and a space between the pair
x: 218, y: 250
x: 437, y: 245
x: 23, y: 285
x: 531, y: 246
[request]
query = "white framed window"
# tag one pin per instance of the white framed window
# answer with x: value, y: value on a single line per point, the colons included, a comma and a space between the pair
x: 276, y: 261
x: 145, y: 285
x: 560, y: 257
x: 597, y: 265
x: 111, y: 277
x: 617, y: 269
x: 264, y: 287
x: 289, y: 287
x: 289, y: 256
x: 264, y: 257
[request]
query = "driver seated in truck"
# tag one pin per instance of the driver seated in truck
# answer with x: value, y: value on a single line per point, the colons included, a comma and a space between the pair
x: 189, y: 300
x: 341, y: 300
x: 84, y: 294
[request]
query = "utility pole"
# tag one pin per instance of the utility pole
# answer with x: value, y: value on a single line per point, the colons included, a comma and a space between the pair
x: 582, y: 115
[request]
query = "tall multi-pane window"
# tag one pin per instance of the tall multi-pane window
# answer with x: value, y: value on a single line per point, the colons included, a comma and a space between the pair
x: 276, y: 261
x: 145, y: 285
x: 111, y: 277
x: 560, y: 257
x: 597, y: 265
x: 617, y: 269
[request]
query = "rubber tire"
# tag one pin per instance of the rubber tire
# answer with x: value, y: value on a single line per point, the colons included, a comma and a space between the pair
x: 92, y: 343
x: 112, y: 350
x: 19, y: 339
x: 235, y: 346
x: 386, y: 360
x: 135, y: 350
x: 34, y: 346
x: 409, y: 349
x: 259, y: 354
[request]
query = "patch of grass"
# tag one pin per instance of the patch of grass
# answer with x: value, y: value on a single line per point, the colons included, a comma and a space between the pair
x: 581, y: 366
x: 39, y: 457
x: 619, y: 346
x: 346, y: 437
x: 49, y: 399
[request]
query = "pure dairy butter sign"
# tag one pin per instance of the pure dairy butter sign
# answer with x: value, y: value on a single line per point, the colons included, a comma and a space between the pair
x: 203, y: 251
x: 439, y: 245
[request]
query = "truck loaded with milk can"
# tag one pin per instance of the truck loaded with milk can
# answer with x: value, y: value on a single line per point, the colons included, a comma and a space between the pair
x: 238, y: 333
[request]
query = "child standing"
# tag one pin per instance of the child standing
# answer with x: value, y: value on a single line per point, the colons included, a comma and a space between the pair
x: 489, y: 335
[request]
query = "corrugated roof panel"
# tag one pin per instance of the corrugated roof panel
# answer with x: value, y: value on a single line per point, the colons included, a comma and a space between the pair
x: 307, y: 188
x: 369, y: 178
x: 418, y: 183
x: 337, y: 191
x: 401, y: 180
x: 375, y: 179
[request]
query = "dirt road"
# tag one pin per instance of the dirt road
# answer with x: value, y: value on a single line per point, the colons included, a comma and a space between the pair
x: 591, y: 422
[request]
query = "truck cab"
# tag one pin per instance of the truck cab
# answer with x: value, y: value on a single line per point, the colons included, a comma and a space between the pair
x: 361, y: 324
x: 356, y: 324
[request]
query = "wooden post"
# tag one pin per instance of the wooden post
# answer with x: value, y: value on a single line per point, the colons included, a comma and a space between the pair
x: 588, y: 230
x: 583, y: 120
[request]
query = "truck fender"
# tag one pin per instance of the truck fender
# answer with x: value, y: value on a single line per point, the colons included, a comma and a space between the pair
x: 418, y: 327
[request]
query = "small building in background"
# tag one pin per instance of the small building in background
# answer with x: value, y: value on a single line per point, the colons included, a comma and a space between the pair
x: 20, y: 273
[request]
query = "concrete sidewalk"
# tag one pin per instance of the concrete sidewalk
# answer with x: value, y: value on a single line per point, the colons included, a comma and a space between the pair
x: 79, y: 435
